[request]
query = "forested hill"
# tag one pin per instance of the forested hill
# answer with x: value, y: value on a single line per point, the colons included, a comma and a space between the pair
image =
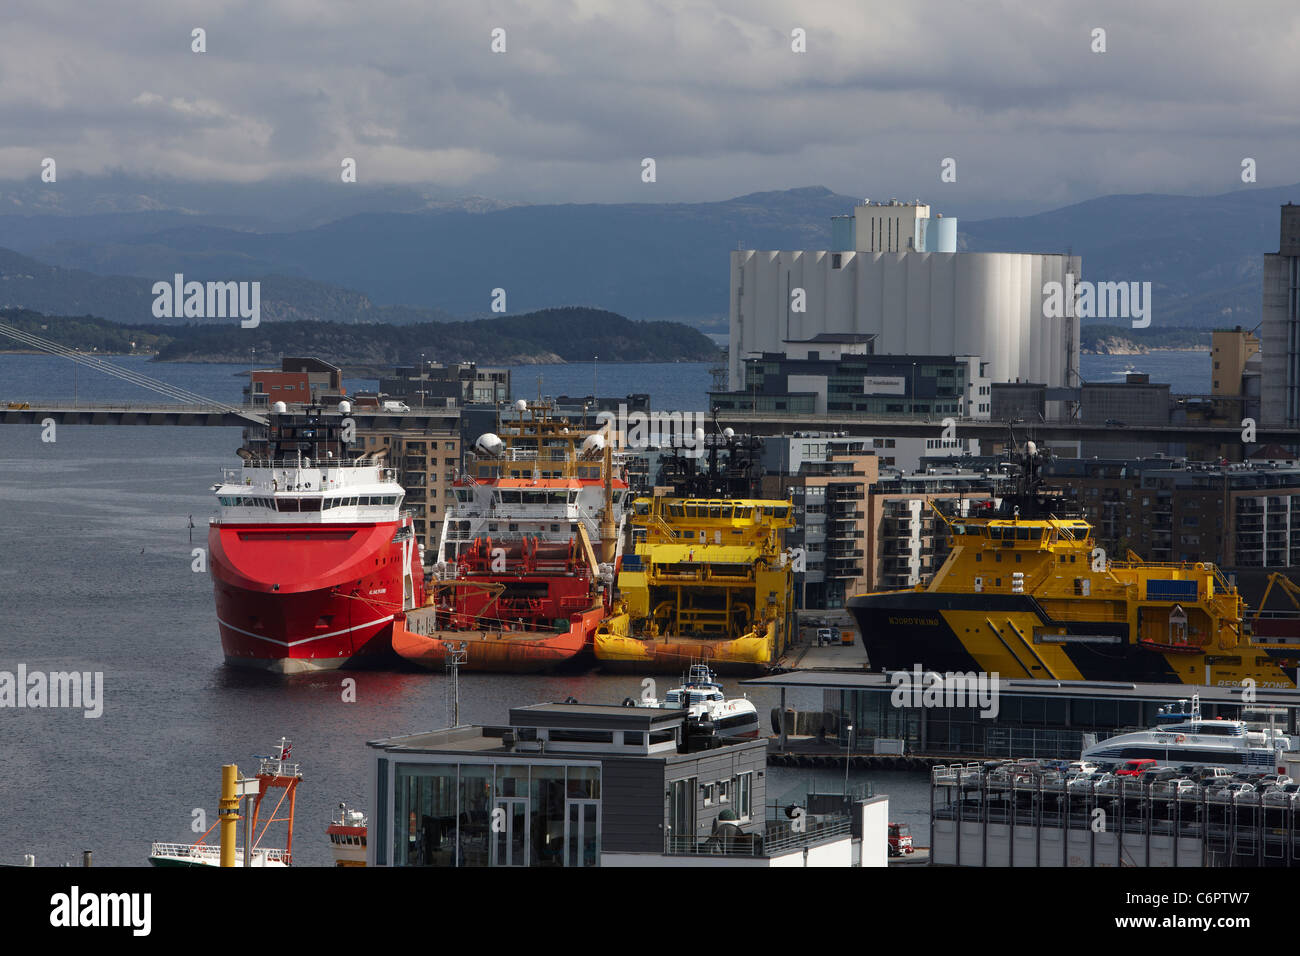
x: 549, y: 335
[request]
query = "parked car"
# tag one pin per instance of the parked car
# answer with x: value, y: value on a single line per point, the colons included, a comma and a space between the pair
x: 396, y: 407
x: 1081, y: 768
x: 823, y: 636
x: 1105, y: 783
x: 1170, y: 786
x: 1135, y: 768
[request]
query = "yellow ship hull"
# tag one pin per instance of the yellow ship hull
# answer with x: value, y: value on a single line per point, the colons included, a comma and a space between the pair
x: 1012, y: 636
x: 753, y: 653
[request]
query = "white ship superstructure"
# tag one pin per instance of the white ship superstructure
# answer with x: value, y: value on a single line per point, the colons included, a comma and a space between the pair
x: 1230, y: 744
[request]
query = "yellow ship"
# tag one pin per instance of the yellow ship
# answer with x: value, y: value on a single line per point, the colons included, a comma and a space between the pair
x: 1027, y: 593
x: 708, y: 583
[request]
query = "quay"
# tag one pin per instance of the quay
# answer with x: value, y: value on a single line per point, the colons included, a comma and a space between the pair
x: 860, y: 717
x: 67, y: 411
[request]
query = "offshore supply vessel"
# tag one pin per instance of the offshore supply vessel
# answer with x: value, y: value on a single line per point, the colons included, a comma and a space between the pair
x: 518, y: 585
x: 311, y: 554
x: 708, y: 582
x: 1025, y: 592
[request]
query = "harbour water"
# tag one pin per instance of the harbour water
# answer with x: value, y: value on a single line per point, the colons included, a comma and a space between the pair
x: 97, y: 564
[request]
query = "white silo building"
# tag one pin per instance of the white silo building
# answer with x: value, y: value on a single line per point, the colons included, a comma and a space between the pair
x: 893, y: 271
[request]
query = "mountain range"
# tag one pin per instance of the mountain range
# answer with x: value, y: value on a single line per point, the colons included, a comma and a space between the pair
x: 401, y: 255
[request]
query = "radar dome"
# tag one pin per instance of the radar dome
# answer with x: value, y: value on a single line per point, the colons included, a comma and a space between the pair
x: 1031, y: 448
x: 521, y: 406
x: 592, y: 444
x: 728, y: 433
x: 489, y: 444
x: 345, y: 408
x: 279, y: 408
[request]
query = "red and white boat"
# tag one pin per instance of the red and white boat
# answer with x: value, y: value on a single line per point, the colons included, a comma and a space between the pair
x: 347, y: 836
x: 311, y: 554
x: 526, y: 561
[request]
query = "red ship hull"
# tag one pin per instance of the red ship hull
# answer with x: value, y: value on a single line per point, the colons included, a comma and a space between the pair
x: 518, y: 607
x: 294, y: 598
x: 500, y: 651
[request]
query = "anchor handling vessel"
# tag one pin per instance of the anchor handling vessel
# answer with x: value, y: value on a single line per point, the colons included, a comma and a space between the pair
x: 311, y: 554
x: 519, y: 585
x: 709, y: 581
x: 1026, y: 592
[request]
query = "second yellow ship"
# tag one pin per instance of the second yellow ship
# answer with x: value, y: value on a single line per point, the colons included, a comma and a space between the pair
x: 708, y: 581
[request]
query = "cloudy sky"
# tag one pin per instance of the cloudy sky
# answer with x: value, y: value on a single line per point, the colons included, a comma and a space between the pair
x: 711, y: 90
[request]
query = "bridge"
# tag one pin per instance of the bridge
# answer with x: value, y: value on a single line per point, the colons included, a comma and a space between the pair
x: 66, y: 412
x: 760, y: 423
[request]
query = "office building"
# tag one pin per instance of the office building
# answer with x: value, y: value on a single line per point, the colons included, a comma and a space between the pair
x: 582, y: 785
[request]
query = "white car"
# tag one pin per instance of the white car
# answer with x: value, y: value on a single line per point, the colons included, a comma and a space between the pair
x: 1082, y: 768
x: 396, y: 407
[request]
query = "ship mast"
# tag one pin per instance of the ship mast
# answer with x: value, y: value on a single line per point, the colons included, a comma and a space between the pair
x: 608, y: 533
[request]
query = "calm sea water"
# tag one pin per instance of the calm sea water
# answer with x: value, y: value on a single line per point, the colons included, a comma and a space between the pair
x: 95, y: 560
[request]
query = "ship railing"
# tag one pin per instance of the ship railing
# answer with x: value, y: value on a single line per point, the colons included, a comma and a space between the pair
x: 292, y: 464
x: 208, y: 851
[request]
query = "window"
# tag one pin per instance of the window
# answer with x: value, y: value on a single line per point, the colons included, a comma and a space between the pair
x: 744, y: 795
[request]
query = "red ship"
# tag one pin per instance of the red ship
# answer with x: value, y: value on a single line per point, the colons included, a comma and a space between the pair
x: 522, y: 607
x: 518, y: 584
x: 311, y: 554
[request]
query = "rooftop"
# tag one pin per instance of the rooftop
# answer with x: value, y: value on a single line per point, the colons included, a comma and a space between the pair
x: 1095, y: 690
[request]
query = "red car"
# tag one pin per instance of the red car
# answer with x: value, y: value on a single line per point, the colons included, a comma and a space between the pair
x: 1135, y: 768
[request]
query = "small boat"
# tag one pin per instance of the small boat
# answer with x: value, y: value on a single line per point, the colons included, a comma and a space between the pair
x: 347, y: 836
x: 709, y: 712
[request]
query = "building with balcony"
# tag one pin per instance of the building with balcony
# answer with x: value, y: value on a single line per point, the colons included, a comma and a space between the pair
x: 435, y: 384
x: 830, y: 523
x: 1240, y: 515
x: 428, y: 460
x: 584, y: 785
x: 906, y: 540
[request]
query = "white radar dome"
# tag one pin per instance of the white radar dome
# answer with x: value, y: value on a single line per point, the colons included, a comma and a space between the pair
x: 521, y: 406
x: 593, y: 443
x: 728, y: 433
x: 345, y: 408
x: 279, y: 408
x: 1031, y: 448
x: 489, y: 444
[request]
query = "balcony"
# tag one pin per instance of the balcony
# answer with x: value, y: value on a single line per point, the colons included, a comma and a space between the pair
x: 779, y: 838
